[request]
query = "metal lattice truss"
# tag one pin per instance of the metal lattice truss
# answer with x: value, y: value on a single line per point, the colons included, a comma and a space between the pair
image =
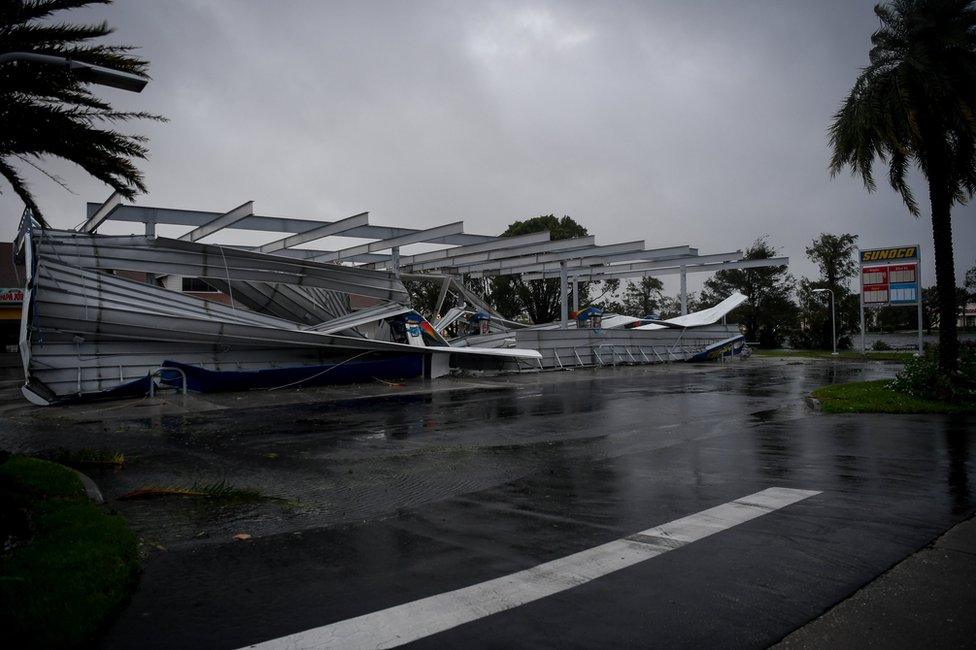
x: 533, y: 257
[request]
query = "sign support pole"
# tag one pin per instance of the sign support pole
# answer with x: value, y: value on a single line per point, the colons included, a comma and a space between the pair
x: 860, y: 275
x: 918, y: 277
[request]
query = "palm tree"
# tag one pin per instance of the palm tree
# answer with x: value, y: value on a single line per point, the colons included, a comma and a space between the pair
x: 47, y: 111
x: 915, y: 104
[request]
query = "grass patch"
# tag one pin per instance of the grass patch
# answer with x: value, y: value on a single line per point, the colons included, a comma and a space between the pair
x: 67, y: 565
x: 846, y: 355
x: 876, y: 397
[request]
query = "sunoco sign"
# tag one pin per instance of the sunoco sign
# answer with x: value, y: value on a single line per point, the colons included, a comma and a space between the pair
x: 889, y: 254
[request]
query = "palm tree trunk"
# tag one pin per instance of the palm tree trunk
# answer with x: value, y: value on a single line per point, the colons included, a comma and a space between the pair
x: 945, y: 275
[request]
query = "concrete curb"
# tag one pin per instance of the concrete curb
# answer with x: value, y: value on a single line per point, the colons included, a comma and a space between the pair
x: 91, y: 489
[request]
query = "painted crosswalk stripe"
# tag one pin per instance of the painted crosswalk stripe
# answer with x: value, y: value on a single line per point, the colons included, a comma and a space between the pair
x: 415, y: 620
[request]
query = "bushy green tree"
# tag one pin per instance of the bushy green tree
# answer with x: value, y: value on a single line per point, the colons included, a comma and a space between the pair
x: 642, y: 297
x: 768, y: 314
x: 48, y: 112
x: 836, y: 259
x: 536, y: 300
x: 930, y: 307
x: 971, y: 284
x: 914, y: 105
x: 424, y: 294
x: 670, y: 306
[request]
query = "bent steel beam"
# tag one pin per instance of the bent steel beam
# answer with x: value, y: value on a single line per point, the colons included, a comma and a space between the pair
x: 498, y: 246
x: 223, y: 221
x: 457, y: 262
x: 263, y: 223
x: 693, y: 260
x: 327, y: 230
x: 604, y: 274
x: 591, y: 260
x: 416, y: 237
x: 103, y: 212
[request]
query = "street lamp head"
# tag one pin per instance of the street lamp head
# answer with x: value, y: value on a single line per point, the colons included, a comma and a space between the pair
x: 84, y: 71
x: 107, y: 77
x: 820, y: 290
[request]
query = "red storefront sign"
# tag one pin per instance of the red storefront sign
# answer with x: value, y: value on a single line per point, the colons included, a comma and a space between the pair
x: 11, y: 296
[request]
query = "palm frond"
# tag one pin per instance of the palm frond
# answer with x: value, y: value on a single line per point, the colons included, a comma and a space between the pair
x: 914, y: 102
x: 21, y: 189
x: 46, y: 111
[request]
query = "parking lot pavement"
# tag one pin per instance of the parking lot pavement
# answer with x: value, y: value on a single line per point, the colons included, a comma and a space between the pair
x: 399, y: 503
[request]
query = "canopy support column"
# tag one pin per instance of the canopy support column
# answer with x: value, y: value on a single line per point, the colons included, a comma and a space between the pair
x: 442, y: 296
x: 151, y: 232
x: 563, y: 305
x: 684, y: 290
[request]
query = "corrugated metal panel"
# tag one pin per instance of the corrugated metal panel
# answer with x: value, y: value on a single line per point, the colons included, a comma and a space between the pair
x: 360, y: 317
x: 170, y: 256
x: 587, y: 347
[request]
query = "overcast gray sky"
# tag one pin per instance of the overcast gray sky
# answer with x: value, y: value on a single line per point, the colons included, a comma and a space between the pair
x: 675, y: 122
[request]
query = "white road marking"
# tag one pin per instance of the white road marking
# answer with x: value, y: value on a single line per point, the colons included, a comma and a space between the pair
x: 408, y: 622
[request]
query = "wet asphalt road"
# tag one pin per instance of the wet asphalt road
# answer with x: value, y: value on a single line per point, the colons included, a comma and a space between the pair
x: 388, y: 501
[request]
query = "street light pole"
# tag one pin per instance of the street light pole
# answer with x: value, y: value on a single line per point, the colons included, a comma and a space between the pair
x: 833, y: 318
x: 85, y: 71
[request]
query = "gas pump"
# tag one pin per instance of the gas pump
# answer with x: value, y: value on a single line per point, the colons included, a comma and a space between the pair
x: 479, y: 324
x: 406, y: 329
x: 414, y: 335
x: 398, y: 329
x: 590, y: 318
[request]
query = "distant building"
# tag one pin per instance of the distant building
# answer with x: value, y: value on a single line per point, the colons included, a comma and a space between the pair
x: 11, y: 297
x: 968, y: 317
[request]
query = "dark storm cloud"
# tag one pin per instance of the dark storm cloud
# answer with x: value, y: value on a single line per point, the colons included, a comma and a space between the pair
x: 675, y: 122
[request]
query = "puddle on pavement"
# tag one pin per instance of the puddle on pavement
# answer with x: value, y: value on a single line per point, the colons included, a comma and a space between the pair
x: 340, y: 462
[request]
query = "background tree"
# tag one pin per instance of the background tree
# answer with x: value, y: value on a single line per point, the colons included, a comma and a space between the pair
x: 607, y: 298
x: 930, y: 308
x: 971, y: 284
x: 46, y: 111
x: 670, y: 306
x: 914, y: 104
x: 537, y: 300
x: 769, y: 312
x: 893, y: 319
x: 836, y: 258
x: 642, y: 298
x: 423, y: 297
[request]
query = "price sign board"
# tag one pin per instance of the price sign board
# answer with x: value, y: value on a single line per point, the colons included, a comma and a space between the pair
x: 890, y: 277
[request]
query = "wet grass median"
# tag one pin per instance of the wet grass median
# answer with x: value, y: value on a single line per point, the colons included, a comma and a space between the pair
x: 878, y: 397
x: 67, y: 564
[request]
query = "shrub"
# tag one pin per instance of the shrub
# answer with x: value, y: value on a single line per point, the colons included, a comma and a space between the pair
x: 880, y: 346
x: 922, y: 378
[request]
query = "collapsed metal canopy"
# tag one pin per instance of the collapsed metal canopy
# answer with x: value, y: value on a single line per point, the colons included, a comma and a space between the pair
x: 100, y: 312
x: 476, y: 255
x: 532, y: 257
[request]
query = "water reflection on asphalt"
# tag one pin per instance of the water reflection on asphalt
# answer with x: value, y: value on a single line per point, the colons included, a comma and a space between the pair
x: 326, y: 464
